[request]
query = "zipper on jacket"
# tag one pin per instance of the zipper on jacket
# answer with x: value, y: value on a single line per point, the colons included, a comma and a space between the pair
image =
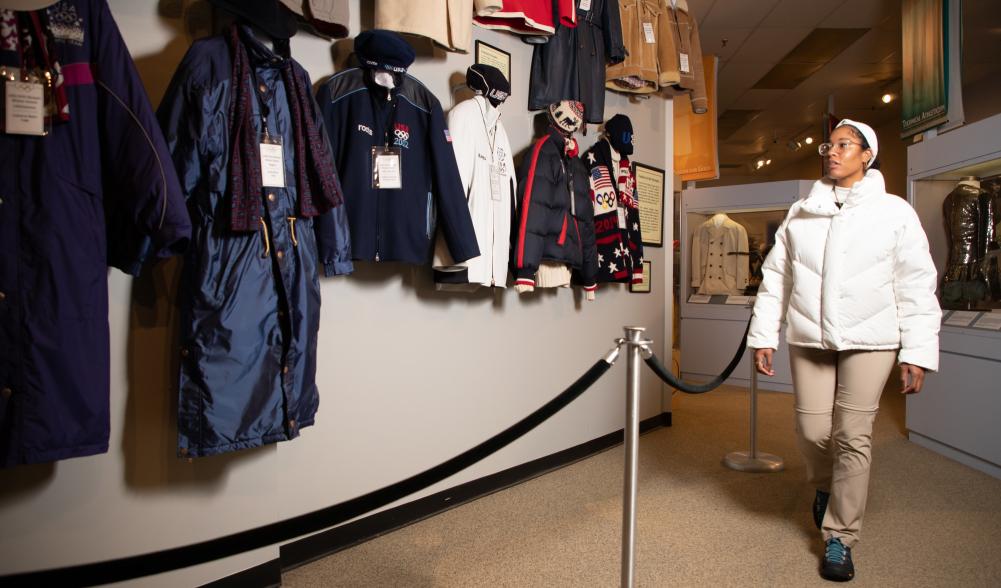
x: 580, y: 242
x: 378, y: 232
x: 427, y: 217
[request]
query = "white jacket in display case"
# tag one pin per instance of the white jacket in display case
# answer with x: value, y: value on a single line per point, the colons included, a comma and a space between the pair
x: 486, y: 167
x: 855, y: 277
x: 720, y: 256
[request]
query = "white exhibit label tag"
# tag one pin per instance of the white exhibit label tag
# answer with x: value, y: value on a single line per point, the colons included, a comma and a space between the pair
x: 387, y: 171
x: 272, y: 165
x: 648, y: 33
x: 25, y: 108
x: 495, y: 183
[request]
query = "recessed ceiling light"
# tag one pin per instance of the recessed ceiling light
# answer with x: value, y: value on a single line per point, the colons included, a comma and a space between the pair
x: 808, y: 140
x: 769, y: 162
x: 887, y: 98
x: 761, y: 163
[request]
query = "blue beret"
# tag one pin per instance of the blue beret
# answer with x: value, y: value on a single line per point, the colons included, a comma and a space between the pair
x: 383, y: 49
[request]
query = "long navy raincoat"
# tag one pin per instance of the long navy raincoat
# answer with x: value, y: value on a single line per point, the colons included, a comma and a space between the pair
x: 250, y: 302
x: 55, y: 246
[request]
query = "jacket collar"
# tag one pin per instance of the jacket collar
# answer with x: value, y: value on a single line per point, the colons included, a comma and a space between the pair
x: 820, y: 201
x: 602, y: 152
x: 257, y: 51
x: 382, y: 93
x: 489, y: 112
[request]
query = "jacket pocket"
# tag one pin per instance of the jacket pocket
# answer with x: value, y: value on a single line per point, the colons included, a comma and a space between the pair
x: 429, y: 216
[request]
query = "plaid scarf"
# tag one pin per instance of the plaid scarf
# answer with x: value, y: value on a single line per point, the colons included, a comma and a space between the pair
x: 316, y: 181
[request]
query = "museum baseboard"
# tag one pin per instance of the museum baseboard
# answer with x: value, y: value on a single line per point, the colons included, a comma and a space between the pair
x: 314, y: 547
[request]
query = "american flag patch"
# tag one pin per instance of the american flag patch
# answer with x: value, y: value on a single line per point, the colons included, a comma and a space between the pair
x: 600, y: 179
x: 448, y: 136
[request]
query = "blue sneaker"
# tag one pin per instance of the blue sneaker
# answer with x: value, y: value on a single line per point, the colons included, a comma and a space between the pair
x: 820, y: 507
x: 838, y: 565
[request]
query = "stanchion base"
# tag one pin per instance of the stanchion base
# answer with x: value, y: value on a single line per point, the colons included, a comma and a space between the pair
x: 760, y: 463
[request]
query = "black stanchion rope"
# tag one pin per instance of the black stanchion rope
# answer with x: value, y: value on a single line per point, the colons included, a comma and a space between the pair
x: 127, y: 568
x: 674, y: 382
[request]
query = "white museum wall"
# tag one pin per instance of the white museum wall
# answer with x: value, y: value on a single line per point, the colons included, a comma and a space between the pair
x: 408, y: 377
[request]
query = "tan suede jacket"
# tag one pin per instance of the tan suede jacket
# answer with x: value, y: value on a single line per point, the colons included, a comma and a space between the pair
x: 662, y: 39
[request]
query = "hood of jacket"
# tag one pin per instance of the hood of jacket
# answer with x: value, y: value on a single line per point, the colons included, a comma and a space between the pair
x: 820, y: 200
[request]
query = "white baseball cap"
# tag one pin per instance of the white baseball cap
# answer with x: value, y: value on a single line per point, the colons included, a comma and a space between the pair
x: 868, y: 133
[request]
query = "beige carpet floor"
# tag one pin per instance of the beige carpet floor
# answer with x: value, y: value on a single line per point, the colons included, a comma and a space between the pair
x: 930, y: 521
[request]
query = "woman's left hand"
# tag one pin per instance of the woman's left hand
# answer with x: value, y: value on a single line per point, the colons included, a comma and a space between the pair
x: 912, y: 378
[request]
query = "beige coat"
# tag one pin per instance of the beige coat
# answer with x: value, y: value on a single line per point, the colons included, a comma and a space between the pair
x: 678, y: 43
x: 448, y: 23
x: 639, y: 73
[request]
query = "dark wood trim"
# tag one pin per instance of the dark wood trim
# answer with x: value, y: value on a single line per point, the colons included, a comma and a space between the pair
x: 322, y: 544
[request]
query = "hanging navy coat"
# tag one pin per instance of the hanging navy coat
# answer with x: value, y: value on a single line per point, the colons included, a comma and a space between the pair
x: 395, y: 224
x: 54, y: 194
x: 571, y: 65
x: 249, y: 302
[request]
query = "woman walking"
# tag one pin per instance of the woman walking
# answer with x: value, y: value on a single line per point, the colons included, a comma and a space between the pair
x: 851, y: 276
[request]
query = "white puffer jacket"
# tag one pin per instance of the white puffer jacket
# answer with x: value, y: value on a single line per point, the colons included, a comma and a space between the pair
x: 858, y: 277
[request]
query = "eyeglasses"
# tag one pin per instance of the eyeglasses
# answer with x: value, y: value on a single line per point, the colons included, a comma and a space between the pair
x: 825, y: 148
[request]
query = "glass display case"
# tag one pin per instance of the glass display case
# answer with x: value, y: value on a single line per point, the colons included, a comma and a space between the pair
x: 954, y: 182
x: 960, y: 210
x: 727, y: 248
x: 726, y: 232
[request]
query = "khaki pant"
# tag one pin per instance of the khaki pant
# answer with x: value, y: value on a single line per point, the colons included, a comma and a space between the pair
x: 837, y: 397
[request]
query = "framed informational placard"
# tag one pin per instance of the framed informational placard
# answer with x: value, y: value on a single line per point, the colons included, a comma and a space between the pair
x: 644, y: 286
x: 489, y: 55
x: 650, y: 192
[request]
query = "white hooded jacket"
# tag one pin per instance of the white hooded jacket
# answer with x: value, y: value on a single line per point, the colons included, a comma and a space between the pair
x: 480, y: 142
x: 858, y: 277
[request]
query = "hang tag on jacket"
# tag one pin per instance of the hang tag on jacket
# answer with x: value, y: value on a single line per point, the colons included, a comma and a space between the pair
x: 648, y: 33
x: 24, y: 108
x: 387, y: 173
x: 584, y: 5
x: 272, y: 163
x: 685, y: 68
x: 622, y: 217
x: 496, y: 181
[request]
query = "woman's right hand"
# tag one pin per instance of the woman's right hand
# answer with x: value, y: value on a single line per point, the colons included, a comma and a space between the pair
x: 763, y: 361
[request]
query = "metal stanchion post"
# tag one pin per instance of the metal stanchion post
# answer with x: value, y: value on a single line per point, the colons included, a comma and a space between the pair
x: 752, y: 461
x: 632, y: 435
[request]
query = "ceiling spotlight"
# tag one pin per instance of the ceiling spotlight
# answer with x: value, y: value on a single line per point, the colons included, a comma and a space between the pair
x: 887, y: 98
x: 808, y: 140
x: 768, y: 162
x: 760, y: 164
